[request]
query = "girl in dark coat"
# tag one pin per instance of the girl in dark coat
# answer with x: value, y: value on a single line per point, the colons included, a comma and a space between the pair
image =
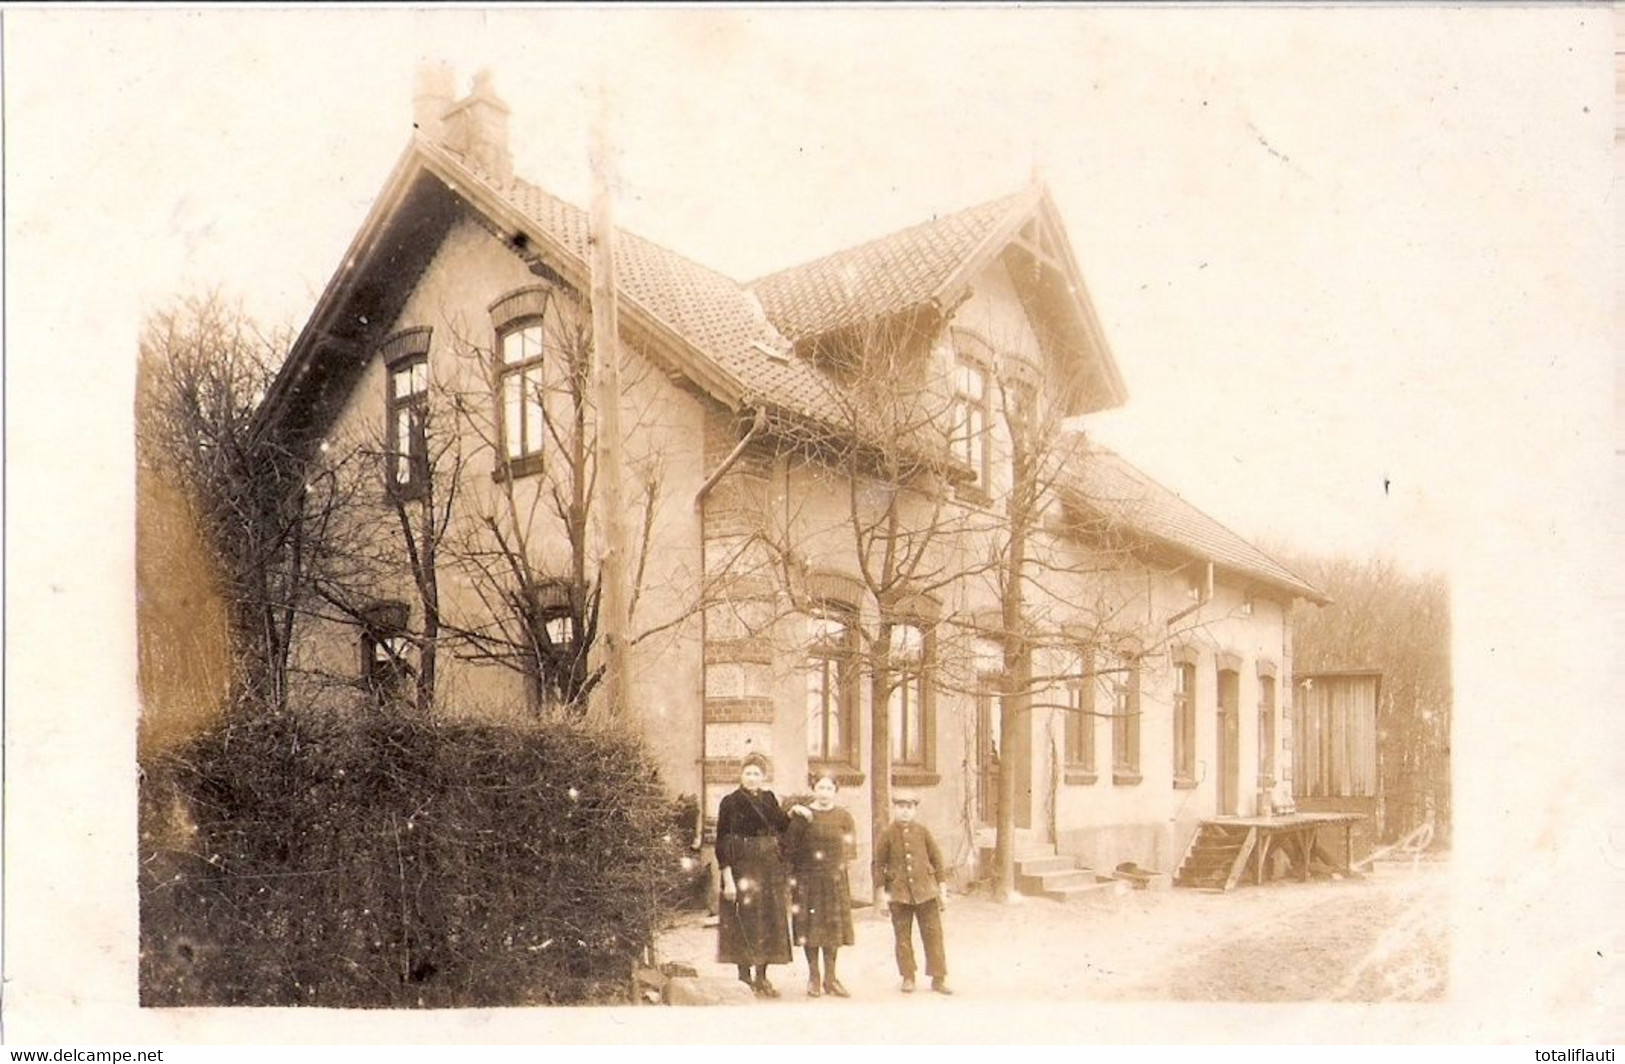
x: 818, y: 848
x: 753, y: 930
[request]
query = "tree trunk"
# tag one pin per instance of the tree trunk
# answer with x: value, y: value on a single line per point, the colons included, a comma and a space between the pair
x: 1017, y: 664
x: 429, y: 589
x: 1016, y: 703
x: 880, y: 742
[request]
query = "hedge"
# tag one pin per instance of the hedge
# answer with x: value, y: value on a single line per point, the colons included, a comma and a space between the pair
x: 399, y: 863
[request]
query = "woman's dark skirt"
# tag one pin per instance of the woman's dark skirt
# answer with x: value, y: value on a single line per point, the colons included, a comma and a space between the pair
x: 754, y: 928
x: 822, y: 912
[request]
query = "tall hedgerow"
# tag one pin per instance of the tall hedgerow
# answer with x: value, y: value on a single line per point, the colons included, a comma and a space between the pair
x: 402, y: 863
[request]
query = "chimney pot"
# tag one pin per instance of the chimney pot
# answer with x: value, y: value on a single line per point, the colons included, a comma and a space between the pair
x: 432, y: 96
x: 477, y: 126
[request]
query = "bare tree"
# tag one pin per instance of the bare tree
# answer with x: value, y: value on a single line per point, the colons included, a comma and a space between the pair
x: 1061, y: 557
x: 401, y: 486
x: 263, y: 517
x: 1383, y: 617
x: 532, y: 549
x: 882, y: 440
x: 501, y: 496
x: 962, y: 470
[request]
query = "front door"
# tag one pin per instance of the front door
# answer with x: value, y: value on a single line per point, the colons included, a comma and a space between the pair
x: 1227, y: 741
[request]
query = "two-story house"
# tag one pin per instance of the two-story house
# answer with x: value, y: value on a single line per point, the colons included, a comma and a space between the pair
x: 821, y: 464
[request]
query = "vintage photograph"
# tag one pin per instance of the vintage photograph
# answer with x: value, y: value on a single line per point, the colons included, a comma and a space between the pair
x: 805, y: 512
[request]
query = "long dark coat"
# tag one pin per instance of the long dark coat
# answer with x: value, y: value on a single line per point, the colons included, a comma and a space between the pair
x: 753, y: 928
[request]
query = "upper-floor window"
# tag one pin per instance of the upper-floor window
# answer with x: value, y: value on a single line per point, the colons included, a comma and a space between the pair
x: 520, y: 389
x: 909, y: 708
x: 832, y: 686
x: 408, y: 421
x: 972, y: 390
x: 406, y: 409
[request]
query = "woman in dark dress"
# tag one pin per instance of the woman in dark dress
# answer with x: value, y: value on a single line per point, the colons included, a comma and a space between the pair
x: 753, y: 931
x: 818, y: 848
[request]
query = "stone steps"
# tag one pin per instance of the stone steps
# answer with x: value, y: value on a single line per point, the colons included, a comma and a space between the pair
x: 1042, y: 872
x: 1099, y: 888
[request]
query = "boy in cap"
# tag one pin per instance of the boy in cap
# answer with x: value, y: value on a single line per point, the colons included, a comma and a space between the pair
x: 913, y: 881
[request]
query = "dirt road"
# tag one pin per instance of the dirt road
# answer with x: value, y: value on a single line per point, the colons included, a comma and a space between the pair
x: 1381, y: 938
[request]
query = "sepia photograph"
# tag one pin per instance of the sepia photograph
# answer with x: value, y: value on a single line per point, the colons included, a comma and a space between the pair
x: 812, y: 525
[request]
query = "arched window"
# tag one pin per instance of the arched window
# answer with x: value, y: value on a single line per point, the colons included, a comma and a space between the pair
x: 909, y: 706
x: 1184, y: 662
x: 973, y: 389
x: 406, y: 369
x: 386, y: 650
x: 1080, y: 722
x: 1266, y: 725
x: 1118, y: 675
x: 520, y: 321
x: 832, y: 689
x: 521, y: 390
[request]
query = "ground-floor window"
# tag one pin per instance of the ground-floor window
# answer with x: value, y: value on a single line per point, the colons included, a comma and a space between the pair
x: 1266, y: 730
x: 909, y: 703
x: 1184, y: 722
x: 831, y: 671
x: 1080, y: 719
x: 386, y: 648
x: 1121, y: 677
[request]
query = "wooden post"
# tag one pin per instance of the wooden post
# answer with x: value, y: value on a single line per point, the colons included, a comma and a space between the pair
x: 607, y: 371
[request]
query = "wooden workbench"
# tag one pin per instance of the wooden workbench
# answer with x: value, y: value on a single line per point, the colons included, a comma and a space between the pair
x: 1294, y: 834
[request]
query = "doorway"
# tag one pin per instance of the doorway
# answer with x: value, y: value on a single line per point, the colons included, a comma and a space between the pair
x: 991, y: 761
x: 987, y: 753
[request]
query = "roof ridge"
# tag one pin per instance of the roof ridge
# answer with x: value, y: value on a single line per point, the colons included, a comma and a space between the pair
x: 851, y: 249
x: 518, y: 182
x: 1146, y: 479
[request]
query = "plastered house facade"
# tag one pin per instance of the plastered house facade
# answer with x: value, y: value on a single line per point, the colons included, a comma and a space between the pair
x: 1161, y: 683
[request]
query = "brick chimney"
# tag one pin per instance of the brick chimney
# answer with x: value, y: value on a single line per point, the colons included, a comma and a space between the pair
x: 477, y: 126
x: 432, y: 96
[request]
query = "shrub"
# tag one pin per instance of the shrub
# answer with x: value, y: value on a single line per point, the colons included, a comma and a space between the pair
x: 397, y: 863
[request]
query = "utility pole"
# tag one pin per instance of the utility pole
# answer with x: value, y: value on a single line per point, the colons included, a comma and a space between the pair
x: 613, y: 618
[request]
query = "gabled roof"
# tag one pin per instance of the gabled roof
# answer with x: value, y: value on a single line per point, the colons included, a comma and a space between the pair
x: 932, y: 266
x: 1105, y: 483
x: 733, y: 341
x: 883, y: 277
x: 712, y: 327
x: 708, y: 312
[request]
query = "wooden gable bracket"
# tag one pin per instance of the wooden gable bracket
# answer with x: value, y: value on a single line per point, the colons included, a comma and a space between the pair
x: 1039, y: 251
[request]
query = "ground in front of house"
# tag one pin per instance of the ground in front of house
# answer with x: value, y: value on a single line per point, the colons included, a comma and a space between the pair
x: 1384, y: 937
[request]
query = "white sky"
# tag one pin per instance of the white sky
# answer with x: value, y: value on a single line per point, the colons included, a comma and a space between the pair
x: 1330, y: 247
